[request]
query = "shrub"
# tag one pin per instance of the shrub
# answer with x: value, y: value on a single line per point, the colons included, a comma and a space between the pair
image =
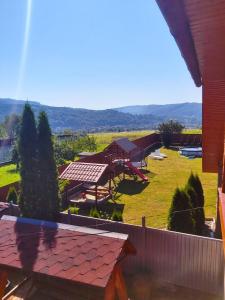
x: 74, y: 210
x: 180, y: 214
x: 194, y: 203
x: 63, y: 184
x: 195, y: 183
x: 117, y: 215
x: 12, y: 196
x: 94, y: 213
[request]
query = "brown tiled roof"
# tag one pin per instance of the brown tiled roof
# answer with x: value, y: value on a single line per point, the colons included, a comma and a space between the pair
x: 86, y: 172
x: 77, y: 254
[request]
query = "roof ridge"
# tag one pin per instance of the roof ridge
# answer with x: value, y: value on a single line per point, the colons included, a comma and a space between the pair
x: 81, y: 229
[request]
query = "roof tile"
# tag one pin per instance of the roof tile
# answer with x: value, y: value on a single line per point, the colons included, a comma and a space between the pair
x: 86, y: 172
x: 74, y: 255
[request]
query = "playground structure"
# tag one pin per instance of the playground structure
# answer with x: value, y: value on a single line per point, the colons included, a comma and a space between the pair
x: 129, y: 156
x: 122, y: 157
x: 93, y: 176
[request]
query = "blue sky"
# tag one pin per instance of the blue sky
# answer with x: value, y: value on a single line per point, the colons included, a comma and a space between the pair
x: 90, y: 53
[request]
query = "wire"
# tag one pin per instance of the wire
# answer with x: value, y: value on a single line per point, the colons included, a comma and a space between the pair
x: 97, y: 225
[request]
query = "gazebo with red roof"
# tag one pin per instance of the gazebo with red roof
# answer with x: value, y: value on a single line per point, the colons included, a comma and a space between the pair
x: 91, y: 173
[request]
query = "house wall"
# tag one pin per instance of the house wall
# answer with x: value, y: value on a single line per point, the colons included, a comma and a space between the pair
x: 187, y: 260
x: 213, y: 124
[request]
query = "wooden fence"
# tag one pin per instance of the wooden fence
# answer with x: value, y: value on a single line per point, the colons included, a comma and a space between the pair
x: 186, y: 260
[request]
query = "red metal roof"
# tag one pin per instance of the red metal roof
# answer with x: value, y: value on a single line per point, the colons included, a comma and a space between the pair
x: 86, y: 172
x: 125, y: 144
x: 76, y: 254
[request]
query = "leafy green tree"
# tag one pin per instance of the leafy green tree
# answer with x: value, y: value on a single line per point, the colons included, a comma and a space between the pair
x: 28, y: 200
x: 48, y: 177
x: 87, y: 143
x: 180, y: 214
x: 12, y: 196
x: 68, y: 150
x: 195, y: 183
x: 167, y: 129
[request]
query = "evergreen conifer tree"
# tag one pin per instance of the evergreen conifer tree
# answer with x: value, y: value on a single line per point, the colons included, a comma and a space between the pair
x: 180, y: 214
x: 195, y: 183
x: 194, y: 203
x: 48, y: 180
x: 28, y: 200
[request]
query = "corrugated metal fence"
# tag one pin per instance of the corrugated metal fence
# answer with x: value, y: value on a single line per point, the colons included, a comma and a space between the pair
x: 191, y: 261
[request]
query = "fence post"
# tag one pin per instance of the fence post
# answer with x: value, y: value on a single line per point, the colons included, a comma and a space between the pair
x: 143, y: 221
x: 69, y: 216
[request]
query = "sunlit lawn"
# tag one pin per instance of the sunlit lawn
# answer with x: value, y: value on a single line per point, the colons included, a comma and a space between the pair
x: 8, y: 174
x: 155, y: 198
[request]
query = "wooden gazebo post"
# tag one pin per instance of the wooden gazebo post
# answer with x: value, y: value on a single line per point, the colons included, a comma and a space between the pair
x: 96, y: 194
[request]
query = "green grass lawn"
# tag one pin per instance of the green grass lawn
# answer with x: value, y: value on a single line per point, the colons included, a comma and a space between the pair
x: 154, y: 199
x: 8, y: 174
x: 192, y: 131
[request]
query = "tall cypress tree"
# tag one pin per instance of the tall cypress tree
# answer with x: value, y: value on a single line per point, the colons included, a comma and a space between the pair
x: 195, y: 183
x: 180, y: 215
x: 48, y: 180
x: 28, y: 167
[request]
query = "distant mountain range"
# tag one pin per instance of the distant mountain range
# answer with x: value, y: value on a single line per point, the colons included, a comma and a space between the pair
x: 189, y: 113
x: 123, y: 118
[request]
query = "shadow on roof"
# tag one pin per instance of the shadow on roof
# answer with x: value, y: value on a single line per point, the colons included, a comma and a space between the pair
x: 30, y: 239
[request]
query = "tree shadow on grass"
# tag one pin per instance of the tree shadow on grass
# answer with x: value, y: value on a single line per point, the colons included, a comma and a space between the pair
x: 131, y: 187
x: 145, y: 171
x: 12, y: 171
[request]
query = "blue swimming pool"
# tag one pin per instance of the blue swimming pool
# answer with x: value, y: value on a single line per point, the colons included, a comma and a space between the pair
x: 191, y: 152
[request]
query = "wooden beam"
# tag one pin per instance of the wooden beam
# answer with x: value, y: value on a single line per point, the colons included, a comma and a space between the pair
x: 3, y: 282
x: 120, y: 284
x: 110, y: 290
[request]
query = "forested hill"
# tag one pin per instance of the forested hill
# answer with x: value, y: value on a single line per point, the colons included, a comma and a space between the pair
x: 81, y: 119
x: 98, y: 120
x: 189, y: 112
